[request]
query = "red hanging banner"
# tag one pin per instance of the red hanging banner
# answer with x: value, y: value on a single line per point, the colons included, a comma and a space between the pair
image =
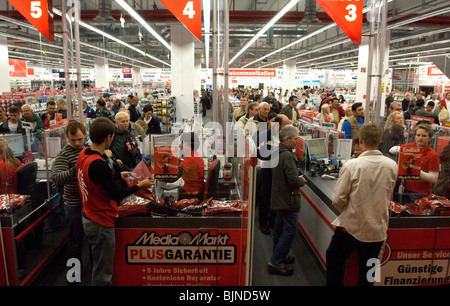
x: 188, y: 13
x: 39, y: 14
x: 347, y: 14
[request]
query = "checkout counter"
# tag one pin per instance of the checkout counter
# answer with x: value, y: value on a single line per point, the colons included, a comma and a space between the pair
x: 187, y: 242
x: 417, y: 251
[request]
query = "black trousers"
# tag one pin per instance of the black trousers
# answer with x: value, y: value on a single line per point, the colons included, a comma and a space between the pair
x: 266, y: 215
x: 341, y: 246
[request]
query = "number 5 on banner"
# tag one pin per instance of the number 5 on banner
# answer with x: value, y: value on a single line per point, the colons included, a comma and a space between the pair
x: 36, y: 12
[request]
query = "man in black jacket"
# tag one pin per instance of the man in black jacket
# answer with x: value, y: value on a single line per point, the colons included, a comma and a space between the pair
x: 13, y: 124
x: 285, y: 200
x: 133, y: 108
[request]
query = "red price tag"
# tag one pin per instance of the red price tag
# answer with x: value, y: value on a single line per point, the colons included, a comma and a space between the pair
x: 347, y: 15
x: 37, y: 13
x: 189, y: 13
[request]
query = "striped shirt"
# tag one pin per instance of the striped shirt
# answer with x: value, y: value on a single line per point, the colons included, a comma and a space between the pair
x: 64, y: 174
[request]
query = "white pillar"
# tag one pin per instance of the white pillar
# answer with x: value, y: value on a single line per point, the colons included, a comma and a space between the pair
x: 197, y: 73
x: 101, y: 73
x: 136, y: 74
x: 5, y: 85
x: 182, y: 71
x: 289, y: 71
x: 363, y: 62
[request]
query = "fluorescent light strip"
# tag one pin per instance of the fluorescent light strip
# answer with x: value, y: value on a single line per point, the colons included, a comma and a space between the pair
x: 420, y: 17
x: 139, y: 19
x: 29, y: 26
x: 280, y: 14
x: 365, y: 10
x: 356, y: 49
x: 89, y: 27
x: 331, y: 25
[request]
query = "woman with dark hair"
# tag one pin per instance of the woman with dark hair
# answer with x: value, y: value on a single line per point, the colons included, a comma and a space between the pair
x: 101, y: 110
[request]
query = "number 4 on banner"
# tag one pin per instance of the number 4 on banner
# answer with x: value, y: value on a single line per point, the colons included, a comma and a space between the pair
x: 188, y: 12
x: 347, y: 15
x: 37, y: 13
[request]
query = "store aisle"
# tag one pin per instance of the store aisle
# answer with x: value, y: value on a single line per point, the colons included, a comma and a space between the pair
x: 307, y: 271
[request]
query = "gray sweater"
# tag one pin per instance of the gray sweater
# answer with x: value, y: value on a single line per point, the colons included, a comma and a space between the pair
x: 64, y: 174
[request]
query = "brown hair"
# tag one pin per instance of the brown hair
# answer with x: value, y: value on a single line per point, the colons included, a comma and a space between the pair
x: 73, y: 127
x: 371, y: 134
x: 6, y: 150
x: 426, y: 127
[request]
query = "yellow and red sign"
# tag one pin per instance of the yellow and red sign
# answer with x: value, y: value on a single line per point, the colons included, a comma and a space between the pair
x: 188, y: 13
x: 39, y: 14
x: 347, y: 15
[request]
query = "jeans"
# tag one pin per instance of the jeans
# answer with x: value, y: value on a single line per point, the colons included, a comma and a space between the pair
x: 76, y: 232
x: 341, y: 246
x: 102, y: 241
x: 285, y: 229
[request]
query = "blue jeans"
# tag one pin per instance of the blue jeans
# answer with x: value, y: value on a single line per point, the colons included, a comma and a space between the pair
x: 102, y: 241
x: 284, y: 233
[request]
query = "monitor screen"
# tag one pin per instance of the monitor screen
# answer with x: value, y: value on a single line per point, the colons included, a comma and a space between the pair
x: 317, y: 148
x: 15, y: 142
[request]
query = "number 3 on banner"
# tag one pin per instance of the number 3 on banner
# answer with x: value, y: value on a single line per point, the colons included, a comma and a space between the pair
x: 189, y: 9
x: 351, y: 8
x: 36, y: 11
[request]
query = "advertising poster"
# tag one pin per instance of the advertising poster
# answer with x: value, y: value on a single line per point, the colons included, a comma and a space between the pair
x: 165, y: 157
x: 409, y: 163
x: 166, y: 161
x: 179, y: 257
x: 423, y: 260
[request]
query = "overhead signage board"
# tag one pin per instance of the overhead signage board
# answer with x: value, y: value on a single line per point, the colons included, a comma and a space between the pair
x: 347, y: 15
x: 38, y: 13
x: 189, y: 13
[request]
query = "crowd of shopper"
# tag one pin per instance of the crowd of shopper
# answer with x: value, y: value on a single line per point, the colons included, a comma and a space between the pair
x: 92, y: 185
x: 361, y: 224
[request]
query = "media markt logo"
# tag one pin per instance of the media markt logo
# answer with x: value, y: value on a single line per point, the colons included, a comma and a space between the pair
x: 183, y: 248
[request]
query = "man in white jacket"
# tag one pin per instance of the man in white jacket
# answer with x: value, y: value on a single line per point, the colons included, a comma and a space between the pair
x: 362, y: 195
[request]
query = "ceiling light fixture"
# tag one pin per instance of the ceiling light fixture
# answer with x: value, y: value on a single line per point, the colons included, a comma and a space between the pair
x: 280, y: 14
x: 93, y: 29
x: 139, y: 19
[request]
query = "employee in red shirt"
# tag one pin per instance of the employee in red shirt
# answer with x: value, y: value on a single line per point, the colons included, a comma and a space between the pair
x: 416, y: 189
x: 99, y: 193
x: 192, y: 168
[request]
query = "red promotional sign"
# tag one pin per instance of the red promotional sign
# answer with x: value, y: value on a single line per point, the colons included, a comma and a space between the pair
x: 17, y: 68
x: 179, y: 257
x: 266, y: 73
x: 347, y: 15
x: 188, y: 13
x: 37, y: 13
